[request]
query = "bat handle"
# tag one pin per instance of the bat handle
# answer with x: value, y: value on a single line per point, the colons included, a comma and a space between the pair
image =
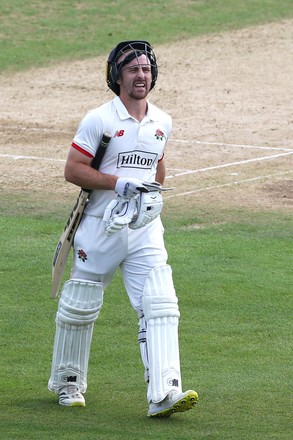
x: 96, y: 162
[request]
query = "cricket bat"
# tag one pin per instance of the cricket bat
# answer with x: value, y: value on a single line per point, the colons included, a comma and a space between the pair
x: 66, y: 239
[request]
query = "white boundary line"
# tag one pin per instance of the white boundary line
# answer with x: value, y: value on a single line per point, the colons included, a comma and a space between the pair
x: 241, y: 162
x: 222, y: 144
x: 237, y: 182
x: 289, y: 151
x: 183, y: 141
x: 16, y: 127
x: 188, y: 172
x: 17, y: 157
x: 199, y: 170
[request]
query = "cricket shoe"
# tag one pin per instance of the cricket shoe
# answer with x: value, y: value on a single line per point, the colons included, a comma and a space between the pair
x: 173, y: 403
x: 71, y: 396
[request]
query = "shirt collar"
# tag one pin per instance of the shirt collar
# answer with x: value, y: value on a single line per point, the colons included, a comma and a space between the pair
x: 123, y: 113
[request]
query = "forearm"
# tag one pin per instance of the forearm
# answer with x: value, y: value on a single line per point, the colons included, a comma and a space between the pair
x: 161, y: 172
x: 86, y: 177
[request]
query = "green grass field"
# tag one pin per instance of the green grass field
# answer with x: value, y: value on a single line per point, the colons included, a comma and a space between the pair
x: 34, y: 33
x: 234, y: 280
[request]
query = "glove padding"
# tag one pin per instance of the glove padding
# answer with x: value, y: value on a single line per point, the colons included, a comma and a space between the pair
x: 149, y: 206
x: 136, y: 210
x: 118, y: 214
x: 128, y: 187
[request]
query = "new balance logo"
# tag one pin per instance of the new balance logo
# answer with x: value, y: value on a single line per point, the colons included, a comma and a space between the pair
x: 119, y: 133
x: 136, y: 159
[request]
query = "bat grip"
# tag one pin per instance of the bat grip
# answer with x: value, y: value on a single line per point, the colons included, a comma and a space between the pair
x: 97, y: 160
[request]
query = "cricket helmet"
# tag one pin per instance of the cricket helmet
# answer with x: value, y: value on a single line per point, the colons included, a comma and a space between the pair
x: 132, y: 49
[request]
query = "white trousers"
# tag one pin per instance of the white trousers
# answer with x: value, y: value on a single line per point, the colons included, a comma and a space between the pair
x: 136, y: 252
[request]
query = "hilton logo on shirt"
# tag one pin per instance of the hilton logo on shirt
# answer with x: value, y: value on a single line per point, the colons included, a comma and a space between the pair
x: 136, y: 159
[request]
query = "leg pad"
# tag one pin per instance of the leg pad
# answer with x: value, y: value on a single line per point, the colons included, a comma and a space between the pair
x: 79, y: 308
x: 160, y: 307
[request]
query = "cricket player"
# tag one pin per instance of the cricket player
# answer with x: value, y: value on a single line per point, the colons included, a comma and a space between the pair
x: 121, y: 228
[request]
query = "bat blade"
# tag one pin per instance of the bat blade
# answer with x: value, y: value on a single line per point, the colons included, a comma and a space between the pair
x: 65, y: 242
x: 66, y: 239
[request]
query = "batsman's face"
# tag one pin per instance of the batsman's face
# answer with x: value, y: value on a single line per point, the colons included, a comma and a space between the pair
x: 136, y: 78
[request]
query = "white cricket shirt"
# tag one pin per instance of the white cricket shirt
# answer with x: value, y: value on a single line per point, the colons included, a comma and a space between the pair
x: 134, y: 150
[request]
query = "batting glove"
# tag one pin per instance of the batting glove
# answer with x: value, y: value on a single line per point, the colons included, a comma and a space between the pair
x: 118, y: 214
x: 128, y: 187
